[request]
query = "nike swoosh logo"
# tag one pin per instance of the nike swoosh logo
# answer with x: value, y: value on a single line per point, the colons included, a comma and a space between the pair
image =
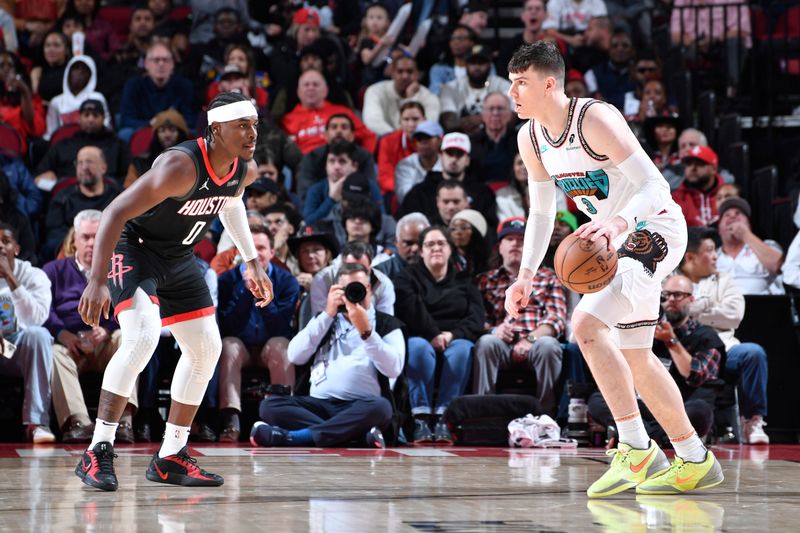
x: 682, y: 480
x: 161, y: 474
x: 637, y: 468
x: 86, y: 467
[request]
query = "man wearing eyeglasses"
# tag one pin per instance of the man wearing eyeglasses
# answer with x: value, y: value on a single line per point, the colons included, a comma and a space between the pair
x: 691, y: 352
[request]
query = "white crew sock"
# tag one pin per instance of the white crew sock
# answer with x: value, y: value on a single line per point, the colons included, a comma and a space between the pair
x: 689, y: 447
x: 103, y: 432
x: 631, y: 431
x: 175, y: 438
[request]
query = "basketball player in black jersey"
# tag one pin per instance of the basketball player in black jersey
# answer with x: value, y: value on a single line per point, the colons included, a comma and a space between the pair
x: 143, y: 265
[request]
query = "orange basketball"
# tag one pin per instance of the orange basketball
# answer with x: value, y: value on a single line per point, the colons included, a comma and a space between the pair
x: 584, y: 266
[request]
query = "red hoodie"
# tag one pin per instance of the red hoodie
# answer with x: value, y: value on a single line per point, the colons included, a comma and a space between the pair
x: 306, y: 127
x: 391, y: 149
x: 699, y: 207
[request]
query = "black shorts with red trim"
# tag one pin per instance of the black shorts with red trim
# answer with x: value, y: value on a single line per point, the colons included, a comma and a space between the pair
x: 177, y: 286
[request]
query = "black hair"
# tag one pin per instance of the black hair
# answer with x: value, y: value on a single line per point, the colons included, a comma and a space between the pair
x: 478, y: 252
x: 260, y: 228
x: 71, y: 11
x: 363, y: 207
x: 5, y: 226
x: 343, y: 148
x: 225, y: 10
x: 695, y: 237
x: 542, y: 56
x: 358, y: 250
x: 220, y: 100
x: 341, y: 115
x: 450, y: 184
x: 351, y: 268
x: 288, y: 211
x: 447, y: 237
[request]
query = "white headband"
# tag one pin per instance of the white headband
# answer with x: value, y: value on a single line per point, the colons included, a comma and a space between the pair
x: 232, y: 111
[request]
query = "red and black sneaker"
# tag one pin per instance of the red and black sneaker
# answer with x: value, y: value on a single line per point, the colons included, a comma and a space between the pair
x: 96, y: 468
x: 181, y: 469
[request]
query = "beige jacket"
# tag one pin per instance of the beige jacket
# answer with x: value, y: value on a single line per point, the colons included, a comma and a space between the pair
x: 719, y: 304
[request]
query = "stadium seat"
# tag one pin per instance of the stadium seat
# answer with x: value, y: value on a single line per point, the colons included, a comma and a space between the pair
x: 10, y: 142
x: 140, y: 141
x: 119, y: 17
x: 63, y: 133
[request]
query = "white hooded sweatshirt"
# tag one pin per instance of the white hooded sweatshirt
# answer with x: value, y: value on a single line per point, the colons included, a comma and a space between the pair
x: 29, y: 305
x: 65, y: 107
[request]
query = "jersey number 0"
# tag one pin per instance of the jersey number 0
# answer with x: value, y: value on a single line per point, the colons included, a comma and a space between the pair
x: 194, y: 232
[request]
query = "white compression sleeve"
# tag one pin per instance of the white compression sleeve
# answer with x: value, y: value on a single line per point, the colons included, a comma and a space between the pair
x: 653, y: 191
x: 540, y: 223
x: 234, y: 218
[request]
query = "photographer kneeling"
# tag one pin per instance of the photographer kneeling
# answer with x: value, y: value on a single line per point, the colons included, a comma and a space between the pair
x: 348, y: 345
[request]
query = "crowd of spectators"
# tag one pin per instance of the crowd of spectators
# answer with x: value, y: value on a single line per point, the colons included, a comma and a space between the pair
x: 383, y: 162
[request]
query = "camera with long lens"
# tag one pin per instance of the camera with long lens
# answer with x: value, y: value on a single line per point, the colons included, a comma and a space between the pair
x: 355, y: 292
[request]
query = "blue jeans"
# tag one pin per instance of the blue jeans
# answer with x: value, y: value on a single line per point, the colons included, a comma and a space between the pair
x: 747, y: 362
x: 33, y: 362
x: 422, y: 368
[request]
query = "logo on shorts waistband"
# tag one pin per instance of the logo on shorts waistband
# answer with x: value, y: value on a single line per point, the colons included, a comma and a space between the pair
x: 118, y: 269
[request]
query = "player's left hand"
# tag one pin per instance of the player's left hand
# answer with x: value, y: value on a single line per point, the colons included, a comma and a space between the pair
x: 608, y: 228
x: 258, y: 283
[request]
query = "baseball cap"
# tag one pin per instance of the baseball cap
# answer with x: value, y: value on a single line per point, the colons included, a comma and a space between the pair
x: 475, y: 6
x: 704, y: 154
x: 306, y: 16
x: 262, y: 185
x: 429, y: 128
x: 356, y: 183
x: 456, y: 141
x: 511, y: 226
x: 474, y: 218
x: 231, y: 71
x: 92, y: 106
x: 567, y: 218
x: 479, y: 54
x: 737, y: 202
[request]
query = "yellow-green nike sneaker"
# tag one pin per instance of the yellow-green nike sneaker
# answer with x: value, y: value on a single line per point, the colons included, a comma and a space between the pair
x: 619, y: 517
x: 629, y: 467
x: 683, y: 476
x: 680, y: 513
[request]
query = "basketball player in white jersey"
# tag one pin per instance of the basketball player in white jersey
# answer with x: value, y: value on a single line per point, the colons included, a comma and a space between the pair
x: 584, y: 147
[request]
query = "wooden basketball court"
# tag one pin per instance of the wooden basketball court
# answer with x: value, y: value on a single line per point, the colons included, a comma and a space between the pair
x: 397, y: 490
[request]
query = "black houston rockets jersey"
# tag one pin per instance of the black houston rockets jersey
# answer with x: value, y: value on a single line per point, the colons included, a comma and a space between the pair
x: 173, y: 227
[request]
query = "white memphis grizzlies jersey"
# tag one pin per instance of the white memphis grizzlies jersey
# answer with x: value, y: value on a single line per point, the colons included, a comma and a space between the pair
x: 596, y: 186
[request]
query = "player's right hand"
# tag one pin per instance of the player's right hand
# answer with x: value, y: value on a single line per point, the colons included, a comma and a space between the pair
x: 95, y: 301
x: 517, y: 296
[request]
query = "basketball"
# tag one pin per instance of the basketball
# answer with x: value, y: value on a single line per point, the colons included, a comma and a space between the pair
x: 584, y: 266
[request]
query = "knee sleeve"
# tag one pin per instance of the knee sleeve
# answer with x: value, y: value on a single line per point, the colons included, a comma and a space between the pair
x: 140, y: 327
x: 201, y: 346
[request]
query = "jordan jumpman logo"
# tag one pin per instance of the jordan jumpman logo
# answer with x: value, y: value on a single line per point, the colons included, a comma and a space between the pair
x: 204, y: 186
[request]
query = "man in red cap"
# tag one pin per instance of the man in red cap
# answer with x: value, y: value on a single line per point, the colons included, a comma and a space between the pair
x: 700, y: 183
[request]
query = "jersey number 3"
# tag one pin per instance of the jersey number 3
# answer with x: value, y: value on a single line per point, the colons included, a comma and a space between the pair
x: 194, y: 232
x: 589, y: 207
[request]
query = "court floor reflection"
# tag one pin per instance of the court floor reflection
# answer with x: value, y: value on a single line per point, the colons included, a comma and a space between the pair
x: 404, y: 490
